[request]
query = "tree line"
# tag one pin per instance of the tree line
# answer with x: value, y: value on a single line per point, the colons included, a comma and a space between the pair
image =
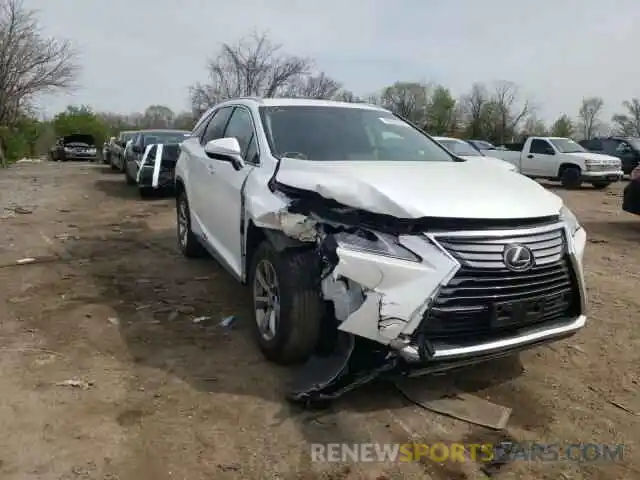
x: 33, y: 64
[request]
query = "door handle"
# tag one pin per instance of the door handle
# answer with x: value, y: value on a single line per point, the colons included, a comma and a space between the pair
x: 529, y: 156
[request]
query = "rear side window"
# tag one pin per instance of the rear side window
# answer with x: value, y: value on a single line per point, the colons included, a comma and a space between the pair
x: 152, y: 153
x: 170, y: 152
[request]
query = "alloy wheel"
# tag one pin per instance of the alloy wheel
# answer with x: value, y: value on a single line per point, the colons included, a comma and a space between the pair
x: 266, y: 299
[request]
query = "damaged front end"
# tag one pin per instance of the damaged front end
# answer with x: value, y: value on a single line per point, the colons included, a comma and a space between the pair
x: 412, y: 297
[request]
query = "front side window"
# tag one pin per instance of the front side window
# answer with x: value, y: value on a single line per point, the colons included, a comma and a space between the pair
x: 541, y: 147
x: 346, y: 133
x: 215, y: 127
x: 240, y: 127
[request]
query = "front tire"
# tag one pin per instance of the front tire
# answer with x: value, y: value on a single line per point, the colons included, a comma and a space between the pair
x: 187, y: 241
x: 288, y: 308
x: 571, y: 177
x: 600, y: 185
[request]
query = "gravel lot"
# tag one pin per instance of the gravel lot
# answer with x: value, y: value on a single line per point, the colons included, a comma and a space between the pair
x: 159, y: 396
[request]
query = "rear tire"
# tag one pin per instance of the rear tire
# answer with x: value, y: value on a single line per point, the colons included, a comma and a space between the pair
x: 571, y: 177
x: 146, y: 192
x: 600, y: 185
x: 187, y: 241
x: 128, y: 178
x: 294, y: 331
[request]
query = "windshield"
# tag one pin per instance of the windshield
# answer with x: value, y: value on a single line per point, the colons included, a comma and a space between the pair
x: 566, y: 145
x: 460, y: 148
x: 165, y: 137
x: 346, y: 133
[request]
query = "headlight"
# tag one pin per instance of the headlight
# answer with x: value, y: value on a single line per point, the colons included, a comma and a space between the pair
x: 67, y: 149
x: 570, y: 219
x: 376, y: 243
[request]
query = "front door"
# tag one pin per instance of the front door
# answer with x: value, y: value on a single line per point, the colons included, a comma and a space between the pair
x: 540, y: 161
x: 200, y: 192
x: 223, y: 218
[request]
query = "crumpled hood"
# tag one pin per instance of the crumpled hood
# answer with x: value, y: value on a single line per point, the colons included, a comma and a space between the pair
x: 423, y: 189
x: 597, y: 157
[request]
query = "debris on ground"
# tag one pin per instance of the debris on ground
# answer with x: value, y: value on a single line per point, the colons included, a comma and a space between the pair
x: 24, y: 261
x: 228, y: 321
x: 462, y: 406
x: 73, y: 383
x: 114, y: 321
x: 20, y: 210
x: 173, y: 315
x: 201, y: 319
x: 624, y: 408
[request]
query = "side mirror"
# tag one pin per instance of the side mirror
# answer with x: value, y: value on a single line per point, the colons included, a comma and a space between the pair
x: 136, y: 149
x: 226, y: 150
x: 550, y: 151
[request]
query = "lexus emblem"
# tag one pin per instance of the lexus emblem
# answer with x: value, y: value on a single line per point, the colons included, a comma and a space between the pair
x: 518, y: 258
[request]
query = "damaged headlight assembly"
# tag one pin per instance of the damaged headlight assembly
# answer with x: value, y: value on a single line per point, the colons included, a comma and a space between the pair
x: 376, y: 244
x: 570, y: 220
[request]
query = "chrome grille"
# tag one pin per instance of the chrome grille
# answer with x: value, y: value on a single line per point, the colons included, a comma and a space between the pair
x: 486, y: 251
x: 464, y: 306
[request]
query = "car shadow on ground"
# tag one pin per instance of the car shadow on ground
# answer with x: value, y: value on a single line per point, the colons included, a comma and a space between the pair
x: 170, y: 309
x: 119, y: 189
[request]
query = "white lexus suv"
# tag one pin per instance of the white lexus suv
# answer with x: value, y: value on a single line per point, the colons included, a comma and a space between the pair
x: 369, y: 247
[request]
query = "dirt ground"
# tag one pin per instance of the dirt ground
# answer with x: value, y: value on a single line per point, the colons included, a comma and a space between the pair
x: 161, y: 396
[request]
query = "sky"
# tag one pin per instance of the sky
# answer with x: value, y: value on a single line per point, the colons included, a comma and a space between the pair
x: 135, y: 53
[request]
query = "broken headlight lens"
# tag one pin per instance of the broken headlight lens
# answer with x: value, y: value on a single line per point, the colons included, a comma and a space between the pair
x: 570, y: 220
x: 375, y: 243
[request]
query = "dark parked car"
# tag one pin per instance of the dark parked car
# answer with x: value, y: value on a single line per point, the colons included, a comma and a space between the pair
x: 117, y: 149
x: 157, y: 170
x: 141, y: 140
x: 631, y: 195
x: 78, y: 146
x: 627, y: 149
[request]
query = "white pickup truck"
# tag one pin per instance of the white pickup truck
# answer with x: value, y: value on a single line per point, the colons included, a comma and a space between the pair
x: 558, y: 158
x: 368, y: 247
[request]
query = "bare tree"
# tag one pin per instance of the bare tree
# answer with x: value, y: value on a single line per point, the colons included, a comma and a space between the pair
x: 589, y: 115
x: 158, y: 116
x: 474, y: 106
x: 628, y: 123
x: 509, y: 110
x: 30, y: 63
x: 254, y: 66
x: 319, y: 86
